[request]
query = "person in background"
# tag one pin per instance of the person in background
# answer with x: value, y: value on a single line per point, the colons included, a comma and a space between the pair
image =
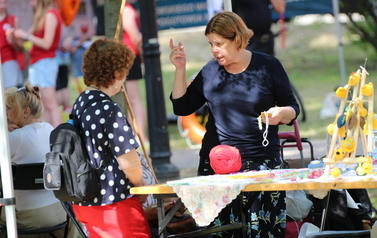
x: 150, y: 205
x: 28, y: 143
x: 77, y: 39
x: 11, y: 72
x: 110, y: 139
x: 99, y: 16
x: 238, y: 85
x: 132, y: 37
x: 214, y: 6
x: 43, y: 68
x: 62, y: 93
x: 257, y: 16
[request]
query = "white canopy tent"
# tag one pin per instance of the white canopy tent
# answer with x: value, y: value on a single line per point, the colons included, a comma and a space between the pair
x: 8, y: 200
x: 342, y: 67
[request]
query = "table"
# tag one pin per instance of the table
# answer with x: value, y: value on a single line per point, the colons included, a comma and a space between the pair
x: 165, y: 190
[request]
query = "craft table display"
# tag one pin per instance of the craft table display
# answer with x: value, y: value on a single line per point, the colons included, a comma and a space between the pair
x: 205, y: 196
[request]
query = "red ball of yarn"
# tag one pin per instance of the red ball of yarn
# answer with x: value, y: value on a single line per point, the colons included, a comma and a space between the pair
x: 225, y: 159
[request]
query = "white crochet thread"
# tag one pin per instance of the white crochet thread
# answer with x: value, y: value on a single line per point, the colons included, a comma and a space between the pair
x: 265, y: 142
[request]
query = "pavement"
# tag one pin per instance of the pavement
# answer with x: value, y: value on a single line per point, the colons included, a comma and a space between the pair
x: 187, y: 160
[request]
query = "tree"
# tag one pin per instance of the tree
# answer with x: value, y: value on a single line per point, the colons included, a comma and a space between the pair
x: 366, y: 28
x: 112, y: 11
x: 112, y: 14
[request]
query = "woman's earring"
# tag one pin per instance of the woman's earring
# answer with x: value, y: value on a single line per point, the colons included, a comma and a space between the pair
x: 116, y: 87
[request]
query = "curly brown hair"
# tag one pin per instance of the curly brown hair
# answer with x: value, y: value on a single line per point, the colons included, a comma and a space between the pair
x: 103, y: 59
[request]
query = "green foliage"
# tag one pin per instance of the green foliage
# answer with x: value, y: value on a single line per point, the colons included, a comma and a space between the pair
x: 362, y: 17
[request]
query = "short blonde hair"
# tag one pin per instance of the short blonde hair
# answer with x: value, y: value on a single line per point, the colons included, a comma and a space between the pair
x: 230, y: 26
x: 24, y: 97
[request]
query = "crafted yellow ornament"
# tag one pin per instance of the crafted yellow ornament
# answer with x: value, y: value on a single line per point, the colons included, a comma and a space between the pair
x: 330, y: 129
x: 335, y: 172
x: 354, y: 78
x: 342, y: 131
x: 339, y: 154
x: 367, y: 89
x: 341, y: 92
x: 348, y: 145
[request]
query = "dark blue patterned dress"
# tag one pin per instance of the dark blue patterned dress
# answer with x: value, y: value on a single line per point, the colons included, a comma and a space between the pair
x: 235, y: 101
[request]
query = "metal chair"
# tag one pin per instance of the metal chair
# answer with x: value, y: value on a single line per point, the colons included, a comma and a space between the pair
x: 68, y: 209
x: 293, y: 139
x: 30, y: 177
x: 340, y: 234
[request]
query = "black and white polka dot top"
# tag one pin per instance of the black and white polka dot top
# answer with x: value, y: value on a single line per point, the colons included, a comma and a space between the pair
x: 105, y: 129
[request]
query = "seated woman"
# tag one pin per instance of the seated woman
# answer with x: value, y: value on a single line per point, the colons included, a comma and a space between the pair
x: 29, y: 143
x: 150, y: 205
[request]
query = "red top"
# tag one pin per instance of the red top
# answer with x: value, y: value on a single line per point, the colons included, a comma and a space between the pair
x: 6, y: 50
x: 37, y: 53
x: 126, y: 38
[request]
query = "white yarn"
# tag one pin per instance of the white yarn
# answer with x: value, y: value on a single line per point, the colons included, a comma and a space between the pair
x: 265, y: 142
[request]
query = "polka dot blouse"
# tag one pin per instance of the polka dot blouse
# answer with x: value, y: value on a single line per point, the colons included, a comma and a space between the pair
x: 107, y: 134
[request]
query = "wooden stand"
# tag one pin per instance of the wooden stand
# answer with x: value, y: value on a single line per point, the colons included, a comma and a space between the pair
x: 353, y: 123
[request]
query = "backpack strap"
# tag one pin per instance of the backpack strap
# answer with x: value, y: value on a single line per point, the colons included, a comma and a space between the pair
x: 106, y: 160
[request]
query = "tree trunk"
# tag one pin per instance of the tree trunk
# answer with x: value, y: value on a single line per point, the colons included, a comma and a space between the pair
x: 112, y: 8
x: 112, y: 14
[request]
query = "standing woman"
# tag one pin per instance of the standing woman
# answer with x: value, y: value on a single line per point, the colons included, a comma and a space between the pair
x: 132, y: 38
x: 11, y: 72
x: 43, y: 69
x: 238, y: 85
x: 110, y: 141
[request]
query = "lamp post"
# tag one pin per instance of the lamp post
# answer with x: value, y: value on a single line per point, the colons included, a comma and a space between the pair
x: 157, y: 121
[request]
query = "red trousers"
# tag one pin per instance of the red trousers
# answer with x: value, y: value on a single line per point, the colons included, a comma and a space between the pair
x: 124, y: 219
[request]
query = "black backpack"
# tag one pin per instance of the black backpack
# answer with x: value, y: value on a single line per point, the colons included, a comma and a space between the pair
x: 68, y: 170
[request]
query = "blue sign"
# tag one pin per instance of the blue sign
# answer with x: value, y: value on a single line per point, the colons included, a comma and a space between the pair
x: 303, y: 7
x: 191, y: 13
x: 181, y: 13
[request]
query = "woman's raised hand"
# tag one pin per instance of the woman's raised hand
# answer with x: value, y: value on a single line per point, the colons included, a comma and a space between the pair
x: 177, y: 55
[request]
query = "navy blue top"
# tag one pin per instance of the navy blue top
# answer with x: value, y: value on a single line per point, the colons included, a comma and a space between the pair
x: 105, y: 129
x: 235, y: 101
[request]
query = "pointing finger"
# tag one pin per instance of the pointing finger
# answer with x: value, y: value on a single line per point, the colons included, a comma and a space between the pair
x: 171, y: 44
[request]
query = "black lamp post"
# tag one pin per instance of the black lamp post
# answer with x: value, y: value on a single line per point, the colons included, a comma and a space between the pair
x: 157, y: 121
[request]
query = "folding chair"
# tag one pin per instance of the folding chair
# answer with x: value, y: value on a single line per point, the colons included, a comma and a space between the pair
x: 68, y: 209
x: 293, y: 139
x: 30, y: 177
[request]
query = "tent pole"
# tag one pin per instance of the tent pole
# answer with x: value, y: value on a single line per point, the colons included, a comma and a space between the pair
x: 8, y: 200
x: 228, y: 5
x: 335, y: 6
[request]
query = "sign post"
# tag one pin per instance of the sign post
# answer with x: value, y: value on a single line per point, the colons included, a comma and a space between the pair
x: 157, y: 121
